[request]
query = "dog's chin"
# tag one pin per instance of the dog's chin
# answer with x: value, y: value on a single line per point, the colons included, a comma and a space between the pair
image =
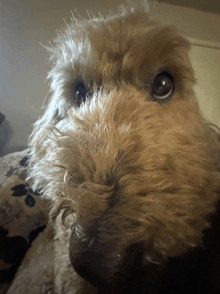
x: 141, y: 281
x: 137, y: 283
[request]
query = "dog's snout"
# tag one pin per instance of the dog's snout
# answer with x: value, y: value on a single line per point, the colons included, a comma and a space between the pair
x: 101, y: 264
x: 85, y: 259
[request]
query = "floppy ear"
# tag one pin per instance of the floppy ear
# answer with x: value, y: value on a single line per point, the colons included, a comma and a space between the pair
x: 62, y: 99
x: 57, y: 109
x: 43, y: 138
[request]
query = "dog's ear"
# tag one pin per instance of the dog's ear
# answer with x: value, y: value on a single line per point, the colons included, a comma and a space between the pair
x: 42, y: 141
x: 57, y: 110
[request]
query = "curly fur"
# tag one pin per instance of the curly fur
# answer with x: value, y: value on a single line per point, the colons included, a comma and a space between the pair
x: 140, y: 171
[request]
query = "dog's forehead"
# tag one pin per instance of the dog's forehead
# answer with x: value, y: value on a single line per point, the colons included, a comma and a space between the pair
x: 120, y: 28
x: 133, y: 32
x: 131, y: 47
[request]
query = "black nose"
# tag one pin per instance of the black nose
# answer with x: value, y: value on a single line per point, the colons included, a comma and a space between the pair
x: 102, y: 264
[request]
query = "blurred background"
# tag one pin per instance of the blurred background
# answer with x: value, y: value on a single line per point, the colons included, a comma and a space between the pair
x: 24, y: 24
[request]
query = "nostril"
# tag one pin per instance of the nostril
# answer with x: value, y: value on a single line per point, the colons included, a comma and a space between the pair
x: 133, y: 258
x: 89, y: 266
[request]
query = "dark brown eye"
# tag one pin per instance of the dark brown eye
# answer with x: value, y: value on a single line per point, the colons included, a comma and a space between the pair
x: 163, y: 87
x: 81, y: 92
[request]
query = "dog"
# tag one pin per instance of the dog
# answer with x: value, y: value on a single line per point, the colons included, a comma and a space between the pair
x: 128, y: 164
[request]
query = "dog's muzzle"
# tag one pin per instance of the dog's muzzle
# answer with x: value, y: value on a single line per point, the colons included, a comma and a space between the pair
x: 99, y: 262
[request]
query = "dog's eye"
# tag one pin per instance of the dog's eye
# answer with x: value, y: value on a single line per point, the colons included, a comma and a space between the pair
x: 163, y: 87
x: 81, y: 92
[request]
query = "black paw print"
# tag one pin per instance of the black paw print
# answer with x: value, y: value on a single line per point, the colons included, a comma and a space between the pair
x: 24, y: 190
x: 13, y: 170
x: 24, y: 161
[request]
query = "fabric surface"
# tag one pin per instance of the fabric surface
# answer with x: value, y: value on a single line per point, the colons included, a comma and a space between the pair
x: 22, y: 215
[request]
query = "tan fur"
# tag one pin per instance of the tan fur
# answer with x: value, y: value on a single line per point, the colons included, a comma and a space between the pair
x: 147, y: 170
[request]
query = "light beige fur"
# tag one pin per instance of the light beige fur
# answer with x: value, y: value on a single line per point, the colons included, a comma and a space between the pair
x: 145, y: 168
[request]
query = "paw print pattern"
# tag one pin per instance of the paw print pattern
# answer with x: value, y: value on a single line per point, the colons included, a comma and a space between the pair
x: 23, y: 190
x: 12, y: 171
x: 24, y: 161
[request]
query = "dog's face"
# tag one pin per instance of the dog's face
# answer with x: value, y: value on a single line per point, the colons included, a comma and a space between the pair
x: 133, y: 161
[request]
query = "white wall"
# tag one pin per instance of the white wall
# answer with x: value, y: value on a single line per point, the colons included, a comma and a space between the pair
x: 23, y: 63
x: 206, y: 62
